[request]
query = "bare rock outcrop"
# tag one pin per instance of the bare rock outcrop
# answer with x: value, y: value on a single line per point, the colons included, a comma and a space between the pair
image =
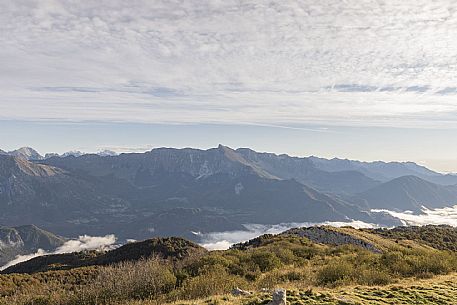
x: 327, y: 236
x: 279, y: 297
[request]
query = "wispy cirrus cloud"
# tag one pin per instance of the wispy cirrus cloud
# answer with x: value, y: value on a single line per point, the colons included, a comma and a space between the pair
x: 289, y: 62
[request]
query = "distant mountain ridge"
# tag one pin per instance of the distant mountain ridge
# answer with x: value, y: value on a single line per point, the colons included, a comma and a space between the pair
x: 31, y: 154
x: 138, y: 195
x: 130, y: 194
x: 409, y: 193
x: 384, y: 171
x: 374, y: 171
x: 224, y: 169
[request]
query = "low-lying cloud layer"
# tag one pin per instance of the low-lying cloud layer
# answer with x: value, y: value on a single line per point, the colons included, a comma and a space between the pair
x: 76, y: 245
x: 223, y: 240
x: 442, y: 216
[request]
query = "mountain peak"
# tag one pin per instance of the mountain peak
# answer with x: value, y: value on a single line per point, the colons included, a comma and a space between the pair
x: 14, y: 165
x: 107, y: 153
x: 223, y: 147
x: 74, y: 153
x: 27, y: 153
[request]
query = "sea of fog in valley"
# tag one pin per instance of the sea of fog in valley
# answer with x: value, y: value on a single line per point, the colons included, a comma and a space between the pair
x: 440, y: 216
x: 223, y: 240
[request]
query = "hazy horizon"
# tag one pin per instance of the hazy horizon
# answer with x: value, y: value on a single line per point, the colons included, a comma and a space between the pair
x: 305, y: 141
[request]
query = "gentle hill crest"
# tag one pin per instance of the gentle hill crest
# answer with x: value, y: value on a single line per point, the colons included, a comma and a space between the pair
x: 170, y: 248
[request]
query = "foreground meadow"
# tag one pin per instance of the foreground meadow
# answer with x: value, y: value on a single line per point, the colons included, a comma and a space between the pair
x: 316, y: 265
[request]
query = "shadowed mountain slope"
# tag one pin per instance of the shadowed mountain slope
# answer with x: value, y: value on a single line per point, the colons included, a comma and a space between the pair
x: 409, y: 193
x: 305, y: 171
x: 25, y: 240
x: 49, y: 196
x: 219, y: 189
x: 221, y: 178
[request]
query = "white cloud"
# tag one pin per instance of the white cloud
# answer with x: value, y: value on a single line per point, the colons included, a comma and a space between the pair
x: 23, y: 258
x: 347, y: 62
x: 83, y: 243
x: 440, y: 216
x: 223, y: 240
x: 86, y: 242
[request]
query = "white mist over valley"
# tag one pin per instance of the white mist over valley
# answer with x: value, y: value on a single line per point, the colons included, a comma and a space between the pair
x: 223, y: 240
x: 440, y: 216
x: 83, y: 243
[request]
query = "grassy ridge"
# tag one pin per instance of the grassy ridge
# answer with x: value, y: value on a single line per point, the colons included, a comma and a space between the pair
x: 440, y: 237
x: 315, y: 272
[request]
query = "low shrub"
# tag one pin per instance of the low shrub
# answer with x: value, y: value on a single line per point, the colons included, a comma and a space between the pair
x: 144, y: 279
x: 214, y: 281
x: 338, y: 272
x: 372, y: 277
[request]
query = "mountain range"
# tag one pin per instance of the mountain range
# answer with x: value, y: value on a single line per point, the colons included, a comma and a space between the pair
x: 186, y: 192
x: 31, y: 154
x: 384, y: 171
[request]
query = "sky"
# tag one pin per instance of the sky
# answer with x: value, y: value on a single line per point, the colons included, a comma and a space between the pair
x: 358, y: 79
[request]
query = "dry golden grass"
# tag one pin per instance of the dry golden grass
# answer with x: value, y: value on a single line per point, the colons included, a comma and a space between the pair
x: 440, y: 290
x: 313, y: 274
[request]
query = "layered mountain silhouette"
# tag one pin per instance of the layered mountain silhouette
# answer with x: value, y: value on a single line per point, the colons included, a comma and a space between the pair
x: 185, y: 192
x: 42, y: 194
x: 31, y: 154
x: 409, y: 193
x: 383, y: 171
x: 306, y: 172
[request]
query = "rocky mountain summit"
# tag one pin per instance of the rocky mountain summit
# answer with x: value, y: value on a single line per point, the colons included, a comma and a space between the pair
x: 26, y: 153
